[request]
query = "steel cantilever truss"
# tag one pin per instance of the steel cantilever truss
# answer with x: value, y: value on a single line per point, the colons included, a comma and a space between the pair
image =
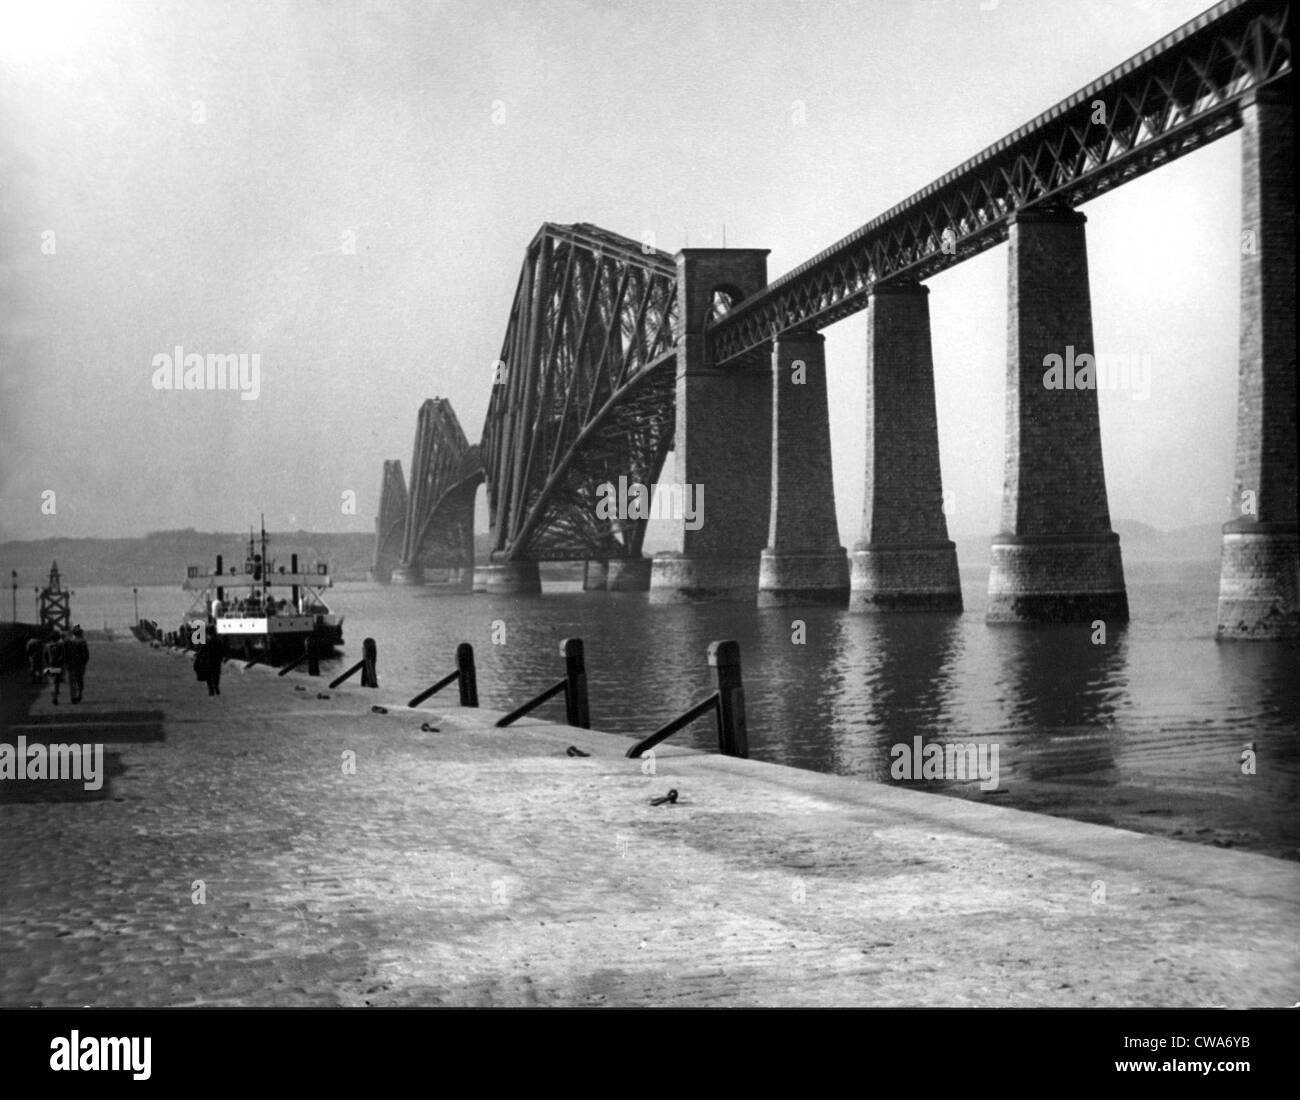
x: 585, y: 393
x: 445, y: 474
x: 1179, y: 94
x: 390, y: 523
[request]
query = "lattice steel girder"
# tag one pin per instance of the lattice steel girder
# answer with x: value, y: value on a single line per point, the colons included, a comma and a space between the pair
x: 593, y: 315
x: 1175, y: 96
x: 390, y: 523
x: 446, y: 534
x: 442, y: 463
x: 630, y: 436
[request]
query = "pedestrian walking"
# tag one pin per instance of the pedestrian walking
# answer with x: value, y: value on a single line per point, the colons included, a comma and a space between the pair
x: 36, y: 659
x: 76, y: 657
x: 54, y: 663
x: 208, y: 661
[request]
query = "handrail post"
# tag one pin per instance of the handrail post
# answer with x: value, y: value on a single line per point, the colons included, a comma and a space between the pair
x: 576, y: 710
x: 466, y: 676
x: 733, y: 737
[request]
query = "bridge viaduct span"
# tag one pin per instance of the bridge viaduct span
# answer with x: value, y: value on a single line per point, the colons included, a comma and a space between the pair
x: 616, y: 353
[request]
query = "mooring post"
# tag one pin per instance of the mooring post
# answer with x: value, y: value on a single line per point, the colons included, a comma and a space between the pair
x: 369, y: 655
x: 575, y: 691
x: 313, y: 656
x: 466, y: 676
x: 733, y: 739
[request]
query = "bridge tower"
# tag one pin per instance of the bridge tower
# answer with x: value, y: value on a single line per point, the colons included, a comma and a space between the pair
x: 722, y: 442
x: 1056, y: 558
x: 1260, y: 569
x: 390, y: 523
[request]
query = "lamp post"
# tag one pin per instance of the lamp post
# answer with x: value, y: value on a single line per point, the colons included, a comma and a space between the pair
x: 136, y: 593
x: 36, y: 606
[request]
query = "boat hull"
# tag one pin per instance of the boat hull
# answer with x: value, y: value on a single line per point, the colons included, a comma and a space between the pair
x: 284, y: 635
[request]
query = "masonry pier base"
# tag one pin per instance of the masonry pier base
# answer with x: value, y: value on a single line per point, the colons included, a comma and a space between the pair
x: 676, y: 578
x: 412, y: 574
x: 1056, y: 579
x: 905, y: 577
x: 628, y: 575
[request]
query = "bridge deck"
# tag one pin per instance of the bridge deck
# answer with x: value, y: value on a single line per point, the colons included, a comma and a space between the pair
x: 1178, y: 94
x: 477, y: 866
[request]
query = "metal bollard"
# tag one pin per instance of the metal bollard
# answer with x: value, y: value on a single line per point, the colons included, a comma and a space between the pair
x: 576, y: 711
x: 369, y: 655
x: 574, y: 687
x: 467, y: 678
x: 733, y: 738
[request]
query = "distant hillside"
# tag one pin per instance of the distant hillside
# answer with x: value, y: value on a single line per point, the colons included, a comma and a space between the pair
x: 161, y: 556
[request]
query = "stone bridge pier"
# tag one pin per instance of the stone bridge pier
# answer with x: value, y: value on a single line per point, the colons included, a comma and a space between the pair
x: 1260, y: 571
x: 803, y: 561
x: 1056, y: 558
x: 904, y: 560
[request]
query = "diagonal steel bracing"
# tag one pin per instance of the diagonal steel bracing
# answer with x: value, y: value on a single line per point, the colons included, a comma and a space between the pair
x: 586, y: 393
x: 438, y: 531
x: 390, y: 523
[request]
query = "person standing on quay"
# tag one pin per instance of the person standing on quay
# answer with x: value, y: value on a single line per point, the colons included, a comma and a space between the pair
x: 209, y: 660
x: 54, y: 658
x: 77, y: 656
x: 35, y: 659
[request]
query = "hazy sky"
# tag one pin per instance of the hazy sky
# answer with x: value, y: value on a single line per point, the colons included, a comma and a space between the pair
x: 347, y: 191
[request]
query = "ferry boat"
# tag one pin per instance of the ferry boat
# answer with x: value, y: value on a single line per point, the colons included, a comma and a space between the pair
x: 250, y: 618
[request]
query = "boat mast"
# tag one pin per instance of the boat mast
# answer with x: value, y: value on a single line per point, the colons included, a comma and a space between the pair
x: 266, y: 563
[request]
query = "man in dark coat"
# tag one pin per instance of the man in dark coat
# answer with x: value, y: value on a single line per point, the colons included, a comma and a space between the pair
x: 35, y: 658
x: 76, y: 656
x: 209, y: 660
x: 54, y: 659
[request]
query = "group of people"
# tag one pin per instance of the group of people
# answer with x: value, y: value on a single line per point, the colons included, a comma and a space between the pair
x: 51, y: 659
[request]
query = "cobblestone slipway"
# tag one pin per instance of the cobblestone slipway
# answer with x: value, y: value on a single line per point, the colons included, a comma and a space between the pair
x: 238, y: 858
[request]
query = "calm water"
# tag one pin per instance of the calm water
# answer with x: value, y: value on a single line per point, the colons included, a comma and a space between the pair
x: 1145, y: 731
